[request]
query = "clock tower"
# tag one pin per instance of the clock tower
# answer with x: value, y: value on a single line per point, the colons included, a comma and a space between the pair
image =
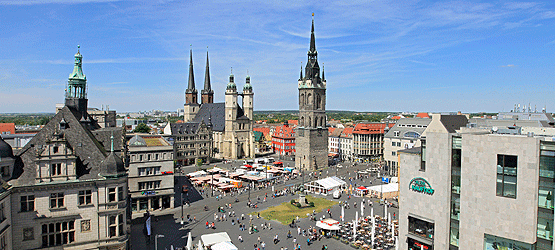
x: 76, y: 91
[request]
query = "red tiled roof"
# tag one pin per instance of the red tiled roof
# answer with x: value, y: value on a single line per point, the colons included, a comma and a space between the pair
x: 264, y: 131
x: 293, y: 122
x: 8, y: 128
x: 330, y: 130
x: 423, y: 115
x: 347, y: 132
x: 395, y: 117
x: 371, y: 128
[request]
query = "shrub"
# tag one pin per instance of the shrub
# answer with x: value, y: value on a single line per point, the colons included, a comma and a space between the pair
x: 292, y: 201
x: 298, y: 205
x: 311, y: 204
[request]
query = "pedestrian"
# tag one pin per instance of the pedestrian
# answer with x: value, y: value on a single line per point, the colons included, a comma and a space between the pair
x: 240, y: 239
x: 258, y: 239
x: 263, y: 245
x: 207, y: 224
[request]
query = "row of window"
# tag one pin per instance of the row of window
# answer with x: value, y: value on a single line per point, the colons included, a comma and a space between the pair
x: 192, y: 138
x: 57, y: 200
x: 149, y: 157
x: 149, y: 171
x: 149, y: 185
x: 412, y: 125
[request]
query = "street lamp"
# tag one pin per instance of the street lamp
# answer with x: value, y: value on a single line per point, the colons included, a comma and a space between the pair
x: 156, y: 240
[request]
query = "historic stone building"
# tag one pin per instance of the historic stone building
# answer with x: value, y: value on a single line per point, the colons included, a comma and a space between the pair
x: 151, y: 173
x: 192, y: 142
x: 312, y: 135
x: 69, y: 183
x: 232, y: 123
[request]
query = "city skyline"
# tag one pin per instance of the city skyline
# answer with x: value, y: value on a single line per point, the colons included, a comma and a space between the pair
x: 379, y: 56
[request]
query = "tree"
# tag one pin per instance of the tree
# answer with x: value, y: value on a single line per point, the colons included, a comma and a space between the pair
x: 142, y: 128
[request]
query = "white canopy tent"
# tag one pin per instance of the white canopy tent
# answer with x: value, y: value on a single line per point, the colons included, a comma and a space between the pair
x: 326, y: 185
x: 215, y: 238
x: 328, y: 224
x: 386, y: 190
x: 226, y: 245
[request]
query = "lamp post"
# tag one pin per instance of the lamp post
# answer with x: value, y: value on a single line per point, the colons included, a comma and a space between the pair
x: 212, y: 185
x: 156, y: 240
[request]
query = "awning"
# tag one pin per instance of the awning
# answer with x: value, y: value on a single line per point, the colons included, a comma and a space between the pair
x: 333, y: 155
x: 248, y: 166
x: 362, y: 188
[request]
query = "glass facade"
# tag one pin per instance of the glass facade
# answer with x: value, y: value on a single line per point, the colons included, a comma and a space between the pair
x: 456, y: 162
x: 506, y: 175
x: 492, y: 242
x: 546, y: 190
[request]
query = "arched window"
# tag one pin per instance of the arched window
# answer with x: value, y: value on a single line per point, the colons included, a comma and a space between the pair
x: 322, y: 123
x: 309, y: 99
x: 309, y: 121
x: 318, y: 101
x: 411, y: 134
x: 302, y: 100
x: 315, y: 121
x: 302, y: 121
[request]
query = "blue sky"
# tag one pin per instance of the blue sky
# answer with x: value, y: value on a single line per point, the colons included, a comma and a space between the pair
x: 378, y: 55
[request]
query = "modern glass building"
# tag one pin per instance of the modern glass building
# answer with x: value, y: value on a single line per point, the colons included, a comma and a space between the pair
x: 477, y: 189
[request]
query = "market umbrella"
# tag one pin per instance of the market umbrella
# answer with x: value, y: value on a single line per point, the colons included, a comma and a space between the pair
x: 342, y: 213
x: 199, y: 247
x: 385, y: 207
x: 373, y: 230
x: 189, y: 242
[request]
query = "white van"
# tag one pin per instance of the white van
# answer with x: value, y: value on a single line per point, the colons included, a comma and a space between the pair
x: 337, y: 194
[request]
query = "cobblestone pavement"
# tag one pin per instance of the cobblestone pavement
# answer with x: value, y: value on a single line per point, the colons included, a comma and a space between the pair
x: 167, y: 222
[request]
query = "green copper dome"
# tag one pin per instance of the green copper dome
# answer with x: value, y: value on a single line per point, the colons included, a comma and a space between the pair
x: 248, y: 85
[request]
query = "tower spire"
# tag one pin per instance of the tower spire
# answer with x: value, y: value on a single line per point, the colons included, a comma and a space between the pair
x: 191, y: 85
x: 207, y: 86
x: 191, y: 92
x: 323, y: 78
x: 301, y: 77
x: 312, y: 38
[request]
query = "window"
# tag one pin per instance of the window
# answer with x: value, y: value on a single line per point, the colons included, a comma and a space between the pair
x: 506, y: 175
x: 149, y: 171
x: 27, y: 203
x: 120, y: 194
x: 495, y: 242
x: 111, y: 194
x: 393, y: 153
x: 56, y: 200
x: 423, y: 155
x: 5, y: 171
x: 3, y: 244
x: 55, y: 169
x: 59, y: 233
x: 149, y: 185
x: 55, y: 149
x: 2, y: 214
x: 396, y: 133
x: 115, y: 225
x: 85, y: 197
x: 393, y: 144
x: 421, y: 228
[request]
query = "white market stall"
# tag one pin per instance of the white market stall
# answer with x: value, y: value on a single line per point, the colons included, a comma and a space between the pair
x: 387, y: 191
x: 209, y: 240
x: 226, y: 245
x: 324, y: 186
x: 328, y: 224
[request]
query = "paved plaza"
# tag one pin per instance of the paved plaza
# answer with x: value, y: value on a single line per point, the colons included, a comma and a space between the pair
x: 168, y: 222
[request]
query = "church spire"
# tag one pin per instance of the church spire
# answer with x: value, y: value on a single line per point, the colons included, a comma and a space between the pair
x: 207, y: 94
x: 207, y: 86
x: 191, y: 86
x: 191, y: 92
x: 76, y: 91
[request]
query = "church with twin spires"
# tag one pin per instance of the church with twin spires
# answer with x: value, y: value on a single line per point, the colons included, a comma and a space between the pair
x: 231, y: 121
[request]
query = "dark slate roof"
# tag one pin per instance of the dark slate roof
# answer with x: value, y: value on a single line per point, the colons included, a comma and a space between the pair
x: 414, y: 150
x: 453, y: 122
x: 216, y: 113
x: 86, y: 147
x: 112, y: 166
x: 258, y: 136
x: 184, y: 128
x: 243, y: 118
x: 5, y: 149
x: 104, y: 135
